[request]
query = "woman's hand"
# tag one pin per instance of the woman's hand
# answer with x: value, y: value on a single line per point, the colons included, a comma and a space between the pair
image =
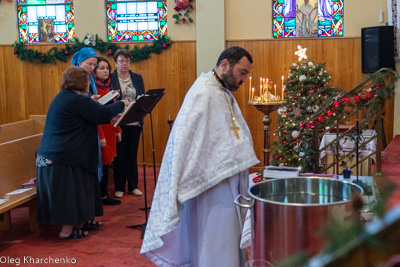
x: 95, y: 97
x: 103, y: 142
x: 126, y: 102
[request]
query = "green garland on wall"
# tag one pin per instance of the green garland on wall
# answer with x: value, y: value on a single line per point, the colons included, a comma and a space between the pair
x: 61, y: 54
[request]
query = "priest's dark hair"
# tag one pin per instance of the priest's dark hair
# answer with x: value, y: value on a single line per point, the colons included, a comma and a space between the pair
x: 234, y: 54
x: 75, y: 78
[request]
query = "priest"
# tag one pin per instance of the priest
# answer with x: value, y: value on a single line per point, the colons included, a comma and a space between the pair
x: 193, y: 219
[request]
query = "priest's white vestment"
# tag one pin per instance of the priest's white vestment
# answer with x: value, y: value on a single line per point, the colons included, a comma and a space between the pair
x: 193, y: 220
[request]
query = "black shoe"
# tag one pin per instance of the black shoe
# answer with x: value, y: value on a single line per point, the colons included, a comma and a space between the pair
x: 110, y: 201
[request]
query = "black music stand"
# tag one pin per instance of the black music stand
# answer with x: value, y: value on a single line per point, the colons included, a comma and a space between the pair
x: 136, y: 113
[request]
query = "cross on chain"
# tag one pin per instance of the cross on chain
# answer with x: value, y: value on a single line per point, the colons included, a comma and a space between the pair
x: 235, y: 129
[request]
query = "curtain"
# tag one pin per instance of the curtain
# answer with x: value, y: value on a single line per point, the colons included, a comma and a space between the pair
x: 394, y: 19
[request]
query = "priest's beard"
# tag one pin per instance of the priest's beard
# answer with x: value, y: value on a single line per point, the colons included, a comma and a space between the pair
x: 229, y: 80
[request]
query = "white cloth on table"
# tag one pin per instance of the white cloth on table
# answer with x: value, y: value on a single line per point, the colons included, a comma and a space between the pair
x: 201, y: 154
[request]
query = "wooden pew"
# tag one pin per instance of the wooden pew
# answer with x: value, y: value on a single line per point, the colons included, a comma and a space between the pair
x: 17, y: 166
x: 16, y: 130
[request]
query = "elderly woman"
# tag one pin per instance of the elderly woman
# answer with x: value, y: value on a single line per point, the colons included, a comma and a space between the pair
x: 131, y: 87
x: 86, y: 58
x: 67, y: 165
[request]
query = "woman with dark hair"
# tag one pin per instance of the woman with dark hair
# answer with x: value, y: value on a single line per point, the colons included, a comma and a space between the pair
x: 108, y: 134
x: 67, y: 183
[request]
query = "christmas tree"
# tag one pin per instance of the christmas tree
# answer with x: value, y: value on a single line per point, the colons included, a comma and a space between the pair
x: 306, y: 92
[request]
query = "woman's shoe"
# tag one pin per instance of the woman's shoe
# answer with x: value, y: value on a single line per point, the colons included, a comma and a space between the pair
x: 119, y: 194
x: 110, y: 201
x: 91, y: 225
x: 76, y: 233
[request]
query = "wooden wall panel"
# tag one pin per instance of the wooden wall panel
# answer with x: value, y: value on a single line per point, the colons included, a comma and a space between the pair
x: 28, y: 88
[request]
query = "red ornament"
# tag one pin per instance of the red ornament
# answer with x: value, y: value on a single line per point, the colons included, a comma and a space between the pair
x: 110, y: 52
x: 336, y: 104
x: 329, y: 112
x: 311, y: 91
x: 345, y: 99
x: 182, y: 4
x: 15, y: 51
x: 301, y: 125
x: 368, y: 95
x: 357, y: 97
x: 66, y: 52
x: 164, y: 46
x: 320, y: 119
x: 378, y: 85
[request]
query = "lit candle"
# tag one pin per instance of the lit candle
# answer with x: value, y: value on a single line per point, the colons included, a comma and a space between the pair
x: 249, y: 87
x: 274, y: 89
x: 252, y: 93
x: 283, y: 92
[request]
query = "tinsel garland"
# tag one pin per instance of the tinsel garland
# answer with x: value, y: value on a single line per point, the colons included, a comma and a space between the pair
x: 62, y: 54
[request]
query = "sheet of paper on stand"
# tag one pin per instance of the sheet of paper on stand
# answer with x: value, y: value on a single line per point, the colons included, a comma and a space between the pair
x: 277, y: 172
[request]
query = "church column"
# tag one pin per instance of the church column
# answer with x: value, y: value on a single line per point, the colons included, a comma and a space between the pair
x: 210, y: 33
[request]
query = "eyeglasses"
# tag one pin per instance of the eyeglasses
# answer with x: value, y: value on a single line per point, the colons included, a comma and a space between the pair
x: 124, y: 61
x: 92, y: 64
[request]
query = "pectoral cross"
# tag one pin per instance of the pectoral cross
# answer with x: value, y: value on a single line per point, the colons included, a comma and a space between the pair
x: 235, y: 129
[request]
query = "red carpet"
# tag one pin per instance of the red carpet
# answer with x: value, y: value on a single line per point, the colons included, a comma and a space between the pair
x: 111, y: 245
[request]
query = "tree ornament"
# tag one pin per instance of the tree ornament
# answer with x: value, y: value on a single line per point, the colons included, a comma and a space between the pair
x: 182, y: 4
x: 309, y: 109
x: 301, y: 154
x: 310, y: 64
x: 15, y: 51
x: 110, y: 52
x: 302, y: 78
x: 315, y: 108
x: 164, y: 46
x: 295, y: 134
x: 66, y: 52
x: 280, y: 111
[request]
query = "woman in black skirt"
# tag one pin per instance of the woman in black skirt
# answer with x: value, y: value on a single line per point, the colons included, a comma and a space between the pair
x: 67, y: 159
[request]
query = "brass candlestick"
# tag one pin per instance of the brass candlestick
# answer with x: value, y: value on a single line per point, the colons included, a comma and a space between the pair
x: 267, y: 109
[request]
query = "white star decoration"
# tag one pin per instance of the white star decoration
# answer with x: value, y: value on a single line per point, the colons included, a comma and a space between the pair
x: 301, y: 53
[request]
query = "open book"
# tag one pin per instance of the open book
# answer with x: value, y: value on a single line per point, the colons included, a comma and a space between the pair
x: 144, y: 104
x: 108, y: 97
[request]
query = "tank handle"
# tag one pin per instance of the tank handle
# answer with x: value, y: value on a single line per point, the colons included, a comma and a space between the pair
x: 237, y: 202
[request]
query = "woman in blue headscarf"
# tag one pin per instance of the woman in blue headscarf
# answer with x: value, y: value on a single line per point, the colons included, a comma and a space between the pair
x: 87, y: 58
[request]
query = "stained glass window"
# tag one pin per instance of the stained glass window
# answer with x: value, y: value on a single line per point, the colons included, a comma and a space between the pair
x: 134, y: 20
x: 46, y: 21
x: 307, y: 18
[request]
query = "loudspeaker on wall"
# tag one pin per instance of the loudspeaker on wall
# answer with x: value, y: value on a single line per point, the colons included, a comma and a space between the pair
x: 377, y: 48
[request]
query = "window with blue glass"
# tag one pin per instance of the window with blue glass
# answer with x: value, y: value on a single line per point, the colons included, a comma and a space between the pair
x: 46, y: 21
x: 307, y: 18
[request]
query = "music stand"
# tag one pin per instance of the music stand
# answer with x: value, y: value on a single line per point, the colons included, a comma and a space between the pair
x: 136, y: 113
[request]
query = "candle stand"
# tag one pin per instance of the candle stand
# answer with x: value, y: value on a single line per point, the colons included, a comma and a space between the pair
x: 267, y: 109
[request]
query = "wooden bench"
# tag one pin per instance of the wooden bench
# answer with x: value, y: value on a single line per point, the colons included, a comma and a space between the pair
x: 17, y: 166
x: 20, y: 129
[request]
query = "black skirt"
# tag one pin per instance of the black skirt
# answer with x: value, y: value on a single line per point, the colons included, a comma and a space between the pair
x: 67, y: 195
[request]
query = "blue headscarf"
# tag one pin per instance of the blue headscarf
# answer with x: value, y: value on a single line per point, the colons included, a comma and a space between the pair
x: 83, y: 54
